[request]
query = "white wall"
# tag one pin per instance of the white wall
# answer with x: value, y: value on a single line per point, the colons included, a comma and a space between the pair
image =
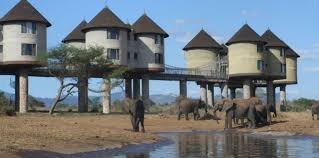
x: 98, y: 37
x: 13, y: 38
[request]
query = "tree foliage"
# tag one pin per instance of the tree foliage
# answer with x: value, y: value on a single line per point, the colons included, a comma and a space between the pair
x: 68, y: 63
x: 301, y: 104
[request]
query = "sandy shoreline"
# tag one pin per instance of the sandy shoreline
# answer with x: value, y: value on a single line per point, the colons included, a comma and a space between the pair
x: 74, y: 133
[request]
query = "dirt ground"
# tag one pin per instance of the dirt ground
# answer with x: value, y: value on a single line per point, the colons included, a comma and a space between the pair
x: 72, y: 133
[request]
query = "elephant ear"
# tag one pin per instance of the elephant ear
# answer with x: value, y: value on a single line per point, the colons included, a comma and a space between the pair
x: 228, y: 105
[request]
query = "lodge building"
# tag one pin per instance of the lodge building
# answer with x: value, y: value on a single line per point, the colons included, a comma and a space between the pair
x: 141, y: 48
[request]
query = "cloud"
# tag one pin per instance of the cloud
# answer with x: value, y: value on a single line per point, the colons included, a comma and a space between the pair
x: 189, y: 21
x: 250, y: 13
x: 310, y: 54
x: 312, y: 69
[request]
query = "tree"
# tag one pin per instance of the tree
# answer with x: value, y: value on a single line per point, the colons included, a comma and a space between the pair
x: 67, y: 64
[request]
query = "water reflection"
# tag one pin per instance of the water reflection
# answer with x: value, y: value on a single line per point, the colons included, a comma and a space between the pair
x: 231, y: 144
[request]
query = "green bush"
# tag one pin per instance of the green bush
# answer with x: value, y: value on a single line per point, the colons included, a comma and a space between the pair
x: 4, y: 103
x: 300, y: 105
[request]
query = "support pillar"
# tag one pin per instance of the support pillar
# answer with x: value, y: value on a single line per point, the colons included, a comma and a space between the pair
x: 271, y: 98
x: 247, y: 89
x: 224, y: 90
x: 210, y: 94
x: 203, y: 92
x: 128, y: 88
x: 253, y: 91
x: 83, y: 96
x: 23, y: 91
x: 232, y: 93
x: 136, y: 89
x: 17, y: 92
x: 146, y: 91
x: 183, y: 88
x: 106, y: 96
x: 283, y: 99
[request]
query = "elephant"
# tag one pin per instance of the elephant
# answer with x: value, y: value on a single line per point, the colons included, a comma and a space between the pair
x: 315, y: 111
x: 238, y: 109
x: 261, y: 114
x: 136, y: 110
x: 186, y: 106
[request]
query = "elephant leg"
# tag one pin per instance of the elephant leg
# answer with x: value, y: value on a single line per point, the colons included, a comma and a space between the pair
x: 186, y: 116
x: 226, y: 122
x: 313, y: 116
x: 195, y: 116
x: 317, y: 116
x: 142, y: 124
x: 179, y: 116
x: 137, y: 126
x: 230, y: 123
x: 132, y: 122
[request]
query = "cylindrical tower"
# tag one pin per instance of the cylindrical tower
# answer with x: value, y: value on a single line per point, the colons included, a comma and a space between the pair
x: 149, y: 37
x: 276, y: 56
x: 24, y: 32
x: 246, y: 57
x: 202, y: 52
x: 108, y: 31
x: 291, y: 68
x: 76, y: 38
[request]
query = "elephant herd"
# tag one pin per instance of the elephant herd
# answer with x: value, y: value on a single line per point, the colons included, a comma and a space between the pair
x: 251, y: 110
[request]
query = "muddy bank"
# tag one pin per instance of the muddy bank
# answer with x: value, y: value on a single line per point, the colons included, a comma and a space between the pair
x: 76, y: 133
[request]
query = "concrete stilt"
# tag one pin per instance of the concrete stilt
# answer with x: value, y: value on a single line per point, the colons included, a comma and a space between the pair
x: 210, y: 94
x: 283, y: 99
x: 224, y: 90
x: 271, y: 95
x: 83, y: 96
x: 203, y: 92
x: 136, y: 89
x: 183, y: 88
x: 106, y: 96
x: 23, y: 91
x: 232, y: 93
x: 247, y: 89
x: 253, y: 91
x: 17, y: 92
x: 146, y: 91
x: 128, y: 88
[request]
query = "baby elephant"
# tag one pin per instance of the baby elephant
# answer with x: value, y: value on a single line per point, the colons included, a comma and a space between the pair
x: 315, y: 110
x: 136, y: 111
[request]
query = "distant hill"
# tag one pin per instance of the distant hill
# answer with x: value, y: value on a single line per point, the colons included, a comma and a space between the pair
x: 161, y: 99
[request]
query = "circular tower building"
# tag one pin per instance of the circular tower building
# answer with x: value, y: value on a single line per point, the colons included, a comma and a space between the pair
x: 246, y: 58
x: 108, y: 31
x: 23, y: 38
x: 276, y: 56
x: 202, y: 52
x: 24, y: 32
x: 291, y: 76
x: 150, y: 45
x: 76, y: 38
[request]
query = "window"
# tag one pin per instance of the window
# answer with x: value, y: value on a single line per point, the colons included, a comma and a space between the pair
x: 113, y: 54
x: 128, y: 56
x: 29, y: 27
x: 135, y: 56
x: 158, y: 39
x: 158, y: 58
x: 283, y: 68
x: 260, y: 48
x: 260, y: 65
x: 282, y: 52
x: 1, y: 49
x: 113, y: 34
x: 28, y: 49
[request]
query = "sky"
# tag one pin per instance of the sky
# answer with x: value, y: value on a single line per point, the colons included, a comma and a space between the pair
x: 294, y: 21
